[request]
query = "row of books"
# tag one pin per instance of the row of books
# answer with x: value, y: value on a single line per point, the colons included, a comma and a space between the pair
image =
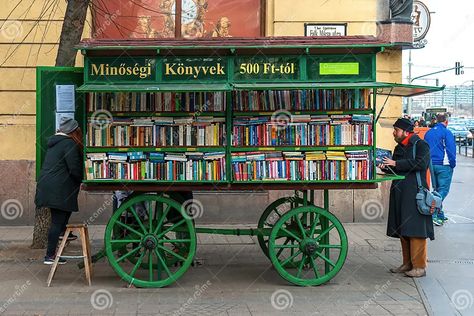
x: 298, y: 155
x: 268, y: 100
x: 302, y: 167
x: 156, y: 166
x: 161, y: 131
x: 303, y: 130
x: 157, y: 102
x: 302, y: 100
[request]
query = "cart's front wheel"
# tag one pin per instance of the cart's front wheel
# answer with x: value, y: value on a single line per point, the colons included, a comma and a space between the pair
x: 161, y: 232
x: 272, y: 214
x: 307, y: 243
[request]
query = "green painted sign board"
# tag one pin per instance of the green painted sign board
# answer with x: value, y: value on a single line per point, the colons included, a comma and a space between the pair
x: 229, y: 69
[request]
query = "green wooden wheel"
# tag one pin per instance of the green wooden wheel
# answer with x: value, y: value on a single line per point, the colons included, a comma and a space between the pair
x: 130, y: 219
x: 145, y: 251
x: 272, y: 214
x: 308, y: 258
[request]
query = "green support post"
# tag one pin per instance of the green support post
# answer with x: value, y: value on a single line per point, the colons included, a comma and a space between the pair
x: 325, y: 225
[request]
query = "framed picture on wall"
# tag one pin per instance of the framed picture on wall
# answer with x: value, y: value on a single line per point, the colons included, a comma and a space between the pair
x: 197, y: 18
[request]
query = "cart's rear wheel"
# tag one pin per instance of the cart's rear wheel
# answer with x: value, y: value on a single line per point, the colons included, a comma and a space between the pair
x: 310, y: 259
x: 157, y: 247
x: 272, y: 214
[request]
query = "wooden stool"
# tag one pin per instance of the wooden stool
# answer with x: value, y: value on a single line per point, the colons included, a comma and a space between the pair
x: 81, y: 229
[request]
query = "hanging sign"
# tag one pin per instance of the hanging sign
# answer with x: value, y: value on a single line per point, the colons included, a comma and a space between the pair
x: 421, y: 19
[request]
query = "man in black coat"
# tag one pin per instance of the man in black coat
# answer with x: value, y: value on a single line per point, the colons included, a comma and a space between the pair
x: 404, y: 220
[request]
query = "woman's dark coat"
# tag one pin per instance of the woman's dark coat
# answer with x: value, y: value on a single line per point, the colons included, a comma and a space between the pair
x: 61, y: 175
x: 403, y: 216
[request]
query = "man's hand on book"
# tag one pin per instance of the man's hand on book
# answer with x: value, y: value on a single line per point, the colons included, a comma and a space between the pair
x: 387, y: 162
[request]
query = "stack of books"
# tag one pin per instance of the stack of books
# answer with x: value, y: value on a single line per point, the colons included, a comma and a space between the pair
x: 156, y: 166
x: 158, y: 131
x: 303, y: 130
x: 302, y: 100
x: 297, y: 166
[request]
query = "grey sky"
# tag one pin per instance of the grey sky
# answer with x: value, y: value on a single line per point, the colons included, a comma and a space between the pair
x: 450, y: 39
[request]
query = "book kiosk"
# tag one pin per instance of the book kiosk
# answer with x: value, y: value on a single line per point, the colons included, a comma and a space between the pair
x: 163, y: 117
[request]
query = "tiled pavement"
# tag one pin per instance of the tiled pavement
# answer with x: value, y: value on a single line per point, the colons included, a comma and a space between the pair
x: 238, y: 279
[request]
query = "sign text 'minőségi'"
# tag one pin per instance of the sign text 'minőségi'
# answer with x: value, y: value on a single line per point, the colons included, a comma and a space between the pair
x: 121, y: 69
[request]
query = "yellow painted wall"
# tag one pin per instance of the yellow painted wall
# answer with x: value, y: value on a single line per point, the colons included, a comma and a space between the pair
x: 27, y: 39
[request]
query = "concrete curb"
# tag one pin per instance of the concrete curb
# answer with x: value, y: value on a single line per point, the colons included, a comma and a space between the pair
x: 424, y: 298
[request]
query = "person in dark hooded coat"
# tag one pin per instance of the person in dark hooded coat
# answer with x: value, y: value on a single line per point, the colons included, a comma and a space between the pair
x: 59, y: 181
x: 404, y: 220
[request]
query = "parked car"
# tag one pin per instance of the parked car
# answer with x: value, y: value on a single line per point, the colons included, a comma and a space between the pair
x: 461, y: 133
x: 470, y: 124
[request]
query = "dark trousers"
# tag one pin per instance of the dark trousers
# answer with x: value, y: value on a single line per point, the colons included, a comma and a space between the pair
x: 59, y: 220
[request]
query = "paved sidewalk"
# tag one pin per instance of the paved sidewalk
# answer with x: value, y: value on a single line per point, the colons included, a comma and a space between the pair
x: 448, y: 288
x: 238, y: 280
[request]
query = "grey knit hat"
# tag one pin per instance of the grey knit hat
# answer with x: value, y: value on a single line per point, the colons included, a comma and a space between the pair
x: 68, y: 125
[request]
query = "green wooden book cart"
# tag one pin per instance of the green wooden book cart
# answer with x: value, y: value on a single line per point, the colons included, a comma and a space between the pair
x: 150, y: 240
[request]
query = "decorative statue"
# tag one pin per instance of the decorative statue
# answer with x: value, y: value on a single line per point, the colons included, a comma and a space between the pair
x: 401, y: 10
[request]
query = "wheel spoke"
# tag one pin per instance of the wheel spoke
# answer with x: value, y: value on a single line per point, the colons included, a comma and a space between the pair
x: 125, y: 256
x: 300, y: 225
x: 276, y: 211
x: 313, y: 225
x: 286, y: 246
x: 163, y: 216
x: 315, y: 269
x: 291, y: 234
x: 150, y: 217
x: 330, y: 246
x: 281, y: 250
x: 290, y: 258
x: 300, y: 267
x: 324, y: 232
x: 326, y: 259
x: 173, y: 240
x: 129, y: 228
x: 163, y: 263
x: 150, y: 265
x: 124, y: 241
x: 181, y: 222
x: 139, y: 262
x: 171, y: 252
x: 137, y: 218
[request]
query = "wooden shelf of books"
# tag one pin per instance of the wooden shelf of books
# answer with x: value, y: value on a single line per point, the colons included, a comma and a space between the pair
x: 162, y: 137
x: 270, y: 135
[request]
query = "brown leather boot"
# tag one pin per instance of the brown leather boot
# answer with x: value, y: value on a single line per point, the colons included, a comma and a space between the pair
x: 401, y: 269
x: 416, y: 273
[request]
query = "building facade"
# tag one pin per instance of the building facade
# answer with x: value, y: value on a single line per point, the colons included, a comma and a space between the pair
x: 29, y: 36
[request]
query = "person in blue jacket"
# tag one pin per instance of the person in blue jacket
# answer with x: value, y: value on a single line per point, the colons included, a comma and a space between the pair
x: 443, y: 158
